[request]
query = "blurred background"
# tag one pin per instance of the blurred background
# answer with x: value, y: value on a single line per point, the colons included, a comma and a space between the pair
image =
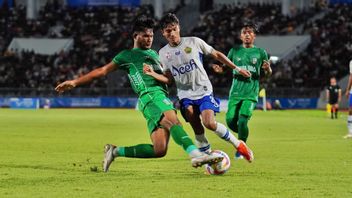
x: 44, y: 42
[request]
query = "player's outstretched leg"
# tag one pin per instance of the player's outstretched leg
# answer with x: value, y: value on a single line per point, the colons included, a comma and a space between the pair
x: 108, y: 156
x: 221, y: 130
x: 242, y: 148
x: 181, y: 138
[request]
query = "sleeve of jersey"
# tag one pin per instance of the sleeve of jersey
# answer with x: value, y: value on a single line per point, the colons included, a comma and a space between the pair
x: 119, y: 59
x: 207, y: 49
x: 351, y: 67
x: 230, y: 54
x: 265, y: 55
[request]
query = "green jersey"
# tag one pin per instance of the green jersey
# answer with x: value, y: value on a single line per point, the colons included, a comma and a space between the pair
x: 132, y: 62
x: 250, y: 59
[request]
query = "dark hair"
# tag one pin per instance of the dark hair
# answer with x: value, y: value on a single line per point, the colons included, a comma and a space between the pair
x: 251, y: 25
x: 167, y: 19
x: 143, y: 22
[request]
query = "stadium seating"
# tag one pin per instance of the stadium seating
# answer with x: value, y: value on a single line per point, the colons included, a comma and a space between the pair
x: 101, y: 32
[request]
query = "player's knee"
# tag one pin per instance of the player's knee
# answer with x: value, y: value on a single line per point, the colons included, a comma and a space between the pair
x: 160, y: 151
x: 168, y: 123
x: 211, y: 125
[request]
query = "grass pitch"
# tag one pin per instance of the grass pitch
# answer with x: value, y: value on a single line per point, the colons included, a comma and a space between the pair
x: 50, y: 153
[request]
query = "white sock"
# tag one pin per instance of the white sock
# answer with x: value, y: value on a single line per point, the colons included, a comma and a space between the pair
x: 195, y: 153
x: 202, y: 143
x: 349, y: 124
x: 225, y: 134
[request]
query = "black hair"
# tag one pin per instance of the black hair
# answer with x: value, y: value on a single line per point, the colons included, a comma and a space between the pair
x: 143, y: 22
x: 167, y: 19
x: 251, y: 25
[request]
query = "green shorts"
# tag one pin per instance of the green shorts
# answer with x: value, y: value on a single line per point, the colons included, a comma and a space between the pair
x: 240, y: 107
x: 153, y: 105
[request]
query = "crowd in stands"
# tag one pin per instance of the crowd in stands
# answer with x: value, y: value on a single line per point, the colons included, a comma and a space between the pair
x: 327, y: 55
x: 220, y: 26
x: 101, y: 32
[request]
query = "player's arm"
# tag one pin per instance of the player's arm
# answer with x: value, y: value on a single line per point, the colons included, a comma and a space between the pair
x: 266, y: 63
x: 96, y: 73
x: 164, y: 78
x: 340, y: 95
x: 224, y: 60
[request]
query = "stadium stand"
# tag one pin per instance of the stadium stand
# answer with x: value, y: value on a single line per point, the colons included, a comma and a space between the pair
x: 100, y: 32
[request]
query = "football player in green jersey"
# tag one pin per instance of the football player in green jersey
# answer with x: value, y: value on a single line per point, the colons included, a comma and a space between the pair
x: 153, y: 101
x: 243, y: 95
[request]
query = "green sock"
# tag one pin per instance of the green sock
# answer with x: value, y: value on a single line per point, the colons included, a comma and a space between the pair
x: 181, y: 138
x: 243, y: 128
x: 137, y: 151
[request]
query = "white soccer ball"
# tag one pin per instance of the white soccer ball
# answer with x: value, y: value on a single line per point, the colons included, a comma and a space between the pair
x: 220, y: 167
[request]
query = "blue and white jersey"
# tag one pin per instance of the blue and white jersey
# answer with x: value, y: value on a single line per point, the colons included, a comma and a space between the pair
x: 185, y: 62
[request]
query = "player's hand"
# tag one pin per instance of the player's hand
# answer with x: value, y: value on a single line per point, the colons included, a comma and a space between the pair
x: 148, y: 69
x: 217, y: 68
x: 266, y: 65
x: 67, y: 85
x: 245, y: 73
x: 347, y: 93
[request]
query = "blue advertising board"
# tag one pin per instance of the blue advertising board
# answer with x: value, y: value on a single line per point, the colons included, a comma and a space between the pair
x: 130, y: 102
x: 24, y: 103
x: 82, y: 3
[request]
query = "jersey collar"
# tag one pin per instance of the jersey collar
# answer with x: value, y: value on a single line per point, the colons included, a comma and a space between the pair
x: 177, y: 45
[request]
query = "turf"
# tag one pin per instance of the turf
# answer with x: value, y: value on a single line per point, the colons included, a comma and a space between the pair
x: 50, y: 153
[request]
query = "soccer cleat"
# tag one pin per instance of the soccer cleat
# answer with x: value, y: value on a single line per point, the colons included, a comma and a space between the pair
x: 348, y: 136
x: 108, y: 156
x: 238, y: 156
x: 245, y: 151
x: 211, y: 158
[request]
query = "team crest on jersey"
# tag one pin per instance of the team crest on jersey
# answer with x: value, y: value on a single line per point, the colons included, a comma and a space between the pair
x: 177, y: 53
x: 188, y: 50
x: 254, y: 60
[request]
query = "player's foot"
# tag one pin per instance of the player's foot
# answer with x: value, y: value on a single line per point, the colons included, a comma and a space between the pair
x: 238, y: 156
x: 108, y: 156
x: 245, y: 151
x: 348, y: 136
x: 211, y: 158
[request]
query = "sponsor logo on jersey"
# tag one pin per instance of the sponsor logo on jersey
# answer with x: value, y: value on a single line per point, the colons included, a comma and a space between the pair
x: 188, y: 67
x: 177, y: 52
x: 168, y: 55
x: 248, y: 67
x: 188, y: 50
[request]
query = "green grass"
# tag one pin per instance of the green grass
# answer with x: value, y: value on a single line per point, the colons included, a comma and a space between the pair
x: 48, y: 153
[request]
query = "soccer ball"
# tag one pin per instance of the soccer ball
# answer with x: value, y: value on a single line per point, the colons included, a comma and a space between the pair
x: 220, y: 167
